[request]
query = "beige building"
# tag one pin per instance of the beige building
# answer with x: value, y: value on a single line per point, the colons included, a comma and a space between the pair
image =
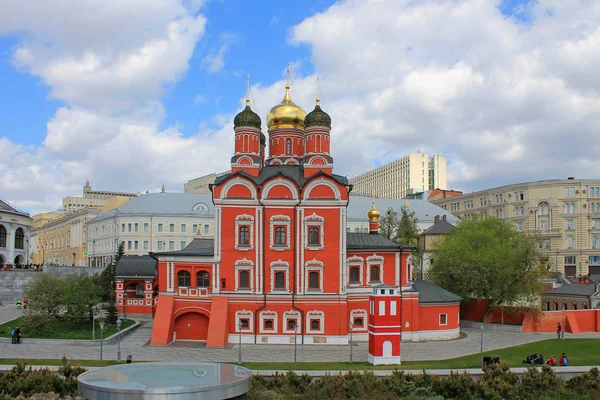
x: 101, y: 200
x: 565, y: 213
x: 89, y: 193
x: 200, y: 185
x: 411, y: 174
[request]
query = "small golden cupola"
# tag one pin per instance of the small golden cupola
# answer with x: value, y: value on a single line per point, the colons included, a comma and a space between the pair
x: 286, y: 114
x: 374, y: 215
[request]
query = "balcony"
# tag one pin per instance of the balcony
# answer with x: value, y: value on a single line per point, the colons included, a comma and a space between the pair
x: 554, y: 232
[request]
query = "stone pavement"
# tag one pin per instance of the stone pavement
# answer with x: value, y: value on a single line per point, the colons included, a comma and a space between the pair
x: 8, y: 311
x: 136, y: 344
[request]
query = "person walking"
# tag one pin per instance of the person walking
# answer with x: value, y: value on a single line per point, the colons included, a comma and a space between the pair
x: 18, y: 304
x: 558, y: 330
x: 13, y: 335
x: 18, y: 333
x: 25, y: 301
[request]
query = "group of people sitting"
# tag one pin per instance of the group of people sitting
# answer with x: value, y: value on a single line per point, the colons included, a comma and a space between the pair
x: 539, y: 359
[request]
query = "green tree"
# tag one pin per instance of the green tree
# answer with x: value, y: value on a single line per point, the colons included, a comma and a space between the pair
x: 107, y: 282
x: 80, y: 294
x: 487, y: 258
x: 407, y: 231
x: 45, y: 295
x: 388, y: 224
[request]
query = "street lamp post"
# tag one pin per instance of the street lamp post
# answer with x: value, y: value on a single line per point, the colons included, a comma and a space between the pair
x: 481, y: 351
x: 119, y: 340
x: 350, y: 326
x: 101, y: 337
x: 295, y: 344
x: 240, y: 344
x: 93, y: 322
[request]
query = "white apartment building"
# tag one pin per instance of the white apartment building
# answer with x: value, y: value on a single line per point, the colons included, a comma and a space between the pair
x: 564, y: 213
x: 200, y: 185
x: 413, y: 173
x: 149, y: 223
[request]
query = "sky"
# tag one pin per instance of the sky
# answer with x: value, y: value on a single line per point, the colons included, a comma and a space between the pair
x: 136, y: 94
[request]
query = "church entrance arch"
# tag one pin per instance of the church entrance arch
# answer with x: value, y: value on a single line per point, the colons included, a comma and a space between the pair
x: 191, y: 326
x: 2, y: 260
x: 19, y: 260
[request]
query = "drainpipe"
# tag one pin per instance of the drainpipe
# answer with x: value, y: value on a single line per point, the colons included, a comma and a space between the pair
x: 262, y: 257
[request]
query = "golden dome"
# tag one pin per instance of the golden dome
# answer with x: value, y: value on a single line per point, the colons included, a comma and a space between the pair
x: 286, y: 114
x: 374, y: 213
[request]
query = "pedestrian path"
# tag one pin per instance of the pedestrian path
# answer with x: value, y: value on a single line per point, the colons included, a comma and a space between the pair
x: 9, y: 312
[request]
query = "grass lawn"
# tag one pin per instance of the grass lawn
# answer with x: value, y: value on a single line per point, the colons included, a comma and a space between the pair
x: 64, y: 330
x: 579, y: 351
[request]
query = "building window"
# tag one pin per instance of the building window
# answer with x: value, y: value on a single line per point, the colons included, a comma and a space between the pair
x: 280, y: 280
x: 359, y: 322
x: 280, y: 236
x: 313, y: 236
x: 594, y: 242
x: 195, y: 229
x: 520, y: 226
x: 146, y: 245
x: 268, y: 324
x: 135, y: 227
x: 160, y: 227
x: 128, y: 227
x: 182, y: 245
x: 183, y: 278
x: 594, y: 191
x: 135, y: 245
x: 206, y: 229
x: 171, y: 227
x: 171, y: 245
x: 2, y: 236
x: 291, y: 324
x: 146, y: 227
x: 543, y: 208
x: 129, y: 245
x: 245, y: 323
x: 354, y: 275
x: 569, y: 224
x: 288, y: 147
x: 314, y: 324
x: 244, y: 235
x: 569, y: 242
x: 594, y: 260
x: 19, y: 239
x: 159, y: 245
x: 443, y: 319
x: 203, y: 279
x: 570, y: 260
x: 183, y: 227
x: 313, y: 280
x: 375, y: 273
x: 122, y: 227
x: 244, y: 280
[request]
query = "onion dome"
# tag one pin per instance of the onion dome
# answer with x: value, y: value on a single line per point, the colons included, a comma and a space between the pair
x: 263, y: 139
x: 247, y: 117
x: 317, y: 117
x: 286, y: 114
x: 374, y: 213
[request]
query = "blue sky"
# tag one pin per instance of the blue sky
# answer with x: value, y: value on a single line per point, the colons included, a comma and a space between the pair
x: 143, y: 94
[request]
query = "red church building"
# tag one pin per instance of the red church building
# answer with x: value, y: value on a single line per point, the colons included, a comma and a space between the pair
x: 282, y: 260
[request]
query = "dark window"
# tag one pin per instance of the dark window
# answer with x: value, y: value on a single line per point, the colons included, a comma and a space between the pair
x: 223, y: 283
x: 2, y: 236
x: 183, y: 278
x: 244, y: 280
x: 288, y: 147
x: 354, y: 274
x: 139, y: 290
x: 443, y: 319
x: 280, y: 235
x: 279, y: 280
x: 358, y: 322
x: 245, y: 323
x: 203, y: 279
x: 375, y: 274
x: 244, y: 235
x: 268, y: 324
x: 313, y: 235
x: 314, y: 324
x: 291, y: 323
x: 313, y: 280
x: 19, y: 239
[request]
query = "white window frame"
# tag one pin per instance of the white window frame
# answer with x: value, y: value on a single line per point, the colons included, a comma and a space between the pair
x: 373, y: 261
x: 244, y: 265
x: 318, y: 315
x: 280, y: 266
x: 440, y: 319
x: 275, y: 221
x: 243, y: 220
x: 309, y: 267
x: 355, y: 261
x: 359, y: 314
x: 310, y: 221
x: 268, y: 314
x: 381, y: 307
x: 292, y: 314
x: 244, y: 314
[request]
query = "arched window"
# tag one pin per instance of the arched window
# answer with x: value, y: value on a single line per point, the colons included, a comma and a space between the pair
x: 139, y: 290
x: 2, y: 236
x: 313, y: 235
x: 288, y: 147
x: 184, y: 278
x: 203, y: 279
x: 543, y: 208
x: 19, y: 239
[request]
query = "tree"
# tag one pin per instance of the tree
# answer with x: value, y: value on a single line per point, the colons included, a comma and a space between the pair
x: 45, y: 295
x: 487, y: 258
x: 80, y: 294
x: 388, y: 224
x: 107, y: 281
x: 407, y: 230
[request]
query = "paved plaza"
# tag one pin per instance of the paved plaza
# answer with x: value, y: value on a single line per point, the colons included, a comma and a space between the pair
x: 136, y: 344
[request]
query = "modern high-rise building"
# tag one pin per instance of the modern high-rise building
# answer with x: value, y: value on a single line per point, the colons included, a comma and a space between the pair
x: 411, y: 174
x: 200, y: 185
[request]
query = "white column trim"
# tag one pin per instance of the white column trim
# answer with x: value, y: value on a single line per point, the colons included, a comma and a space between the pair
x: 397, y: 279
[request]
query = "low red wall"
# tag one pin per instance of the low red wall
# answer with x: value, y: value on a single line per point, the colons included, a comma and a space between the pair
x: 575, y: 321
x: 477, y: 309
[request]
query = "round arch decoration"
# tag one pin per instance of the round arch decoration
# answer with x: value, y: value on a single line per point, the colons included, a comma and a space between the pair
x: 319, y: 182
x: 279, y: 182
x: 235, y: 182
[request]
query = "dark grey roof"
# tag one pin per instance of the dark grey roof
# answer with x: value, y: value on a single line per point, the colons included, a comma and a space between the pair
x: 430, y: 293
x: 136, y: 266
x: 358, y: 241
x: 197, y: 247
x: 5, y: 207
x: 293, y: 172
x: 574, y: 289
x: 439, y: 228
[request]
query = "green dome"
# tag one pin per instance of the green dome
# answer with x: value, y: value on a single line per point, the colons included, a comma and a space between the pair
x: 263, y: 139
x: 247, y: 118
x: 317, y: 117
